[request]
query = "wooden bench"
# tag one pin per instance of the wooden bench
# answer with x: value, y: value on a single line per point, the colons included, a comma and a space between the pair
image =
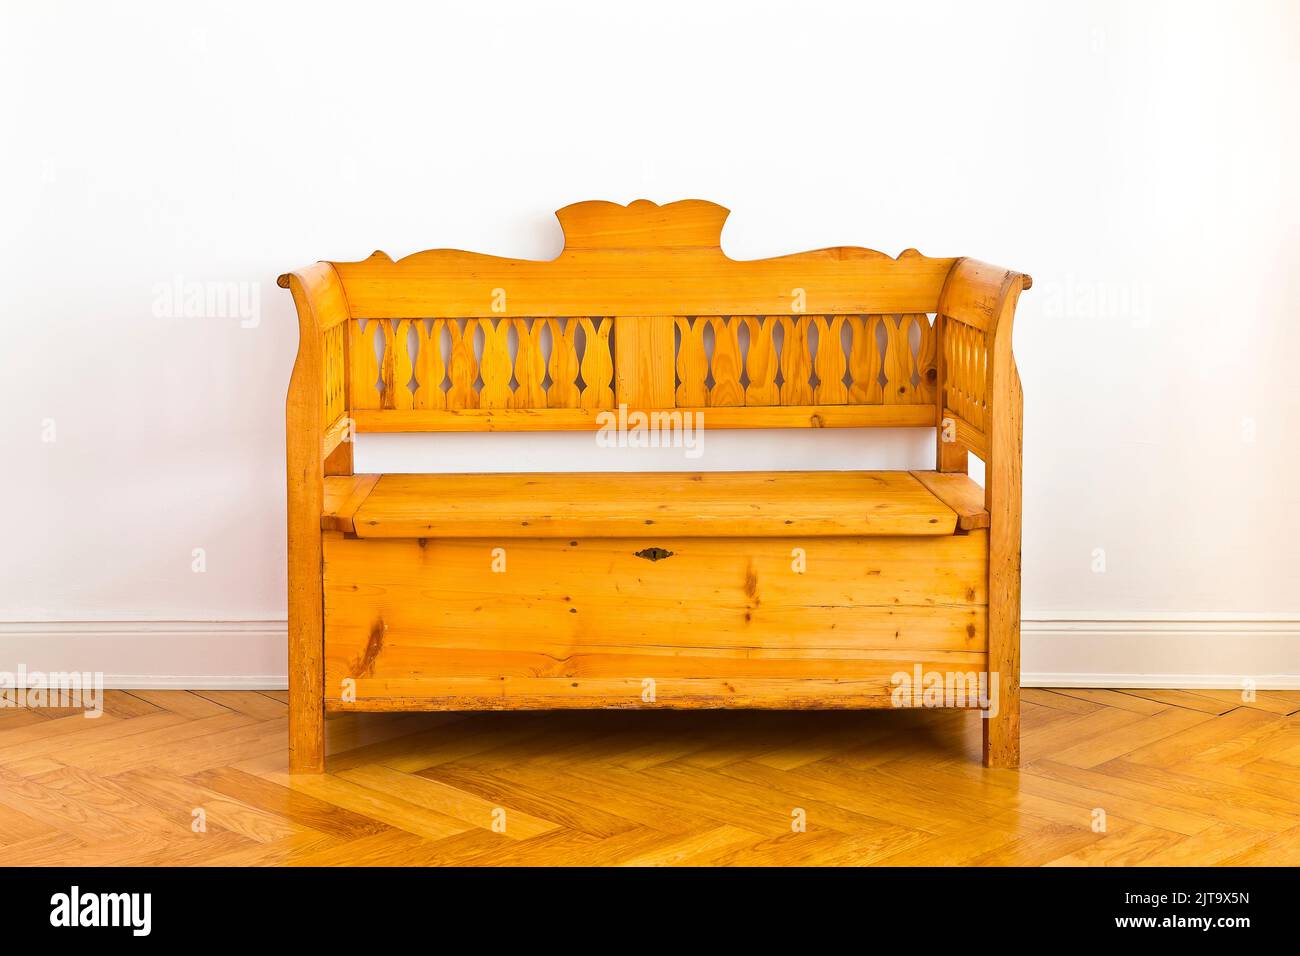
x: 653, y: 590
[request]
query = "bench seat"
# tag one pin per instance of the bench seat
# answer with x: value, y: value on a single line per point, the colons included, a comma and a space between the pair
x: 689, y: 504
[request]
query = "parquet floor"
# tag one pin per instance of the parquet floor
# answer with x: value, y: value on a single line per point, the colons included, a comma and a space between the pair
x: 199, y: 778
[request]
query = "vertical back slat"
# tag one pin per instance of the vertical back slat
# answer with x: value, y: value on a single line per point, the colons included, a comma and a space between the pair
x: 430, y: 365
x: 726, y: 390
x: 965, y: 372
x: 334, y: 373
x: 365, y: 368
x: 926, y: 361
x: 692, y: 364
x: 829, y: 361
x: 495, y: 366
x: 898, y: 361
x: 563, y: 365
x: 956, y: 367
x: 965, y: 360
x: 530, y: 365
x: 796, y: 364
x: 956, y: 362
x: 462, y: 367
x: 403, y: 365
x: 597, y: 364
x: 387, y: 395
x: 760, y: 363
x: 864, y: 361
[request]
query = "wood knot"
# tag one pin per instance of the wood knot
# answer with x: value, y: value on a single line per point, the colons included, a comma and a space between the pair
x: 365, y: 665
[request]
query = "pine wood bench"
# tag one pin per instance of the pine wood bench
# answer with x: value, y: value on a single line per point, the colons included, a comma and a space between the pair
x: 652, y: 590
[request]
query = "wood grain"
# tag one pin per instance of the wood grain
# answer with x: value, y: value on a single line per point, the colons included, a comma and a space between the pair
x: 1181, y: 786
x: 959, y: 493
x: 343, y: 496
x: 572, y: 418
x: 466, y: 625
x: 644, y: 361
x: 687, y: 504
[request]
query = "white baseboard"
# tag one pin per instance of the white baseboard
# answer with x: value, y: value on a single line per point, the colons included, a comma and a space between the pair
x: 153, y: 655
x: 1161, y: 681
x: 196, y: 682
x: 1166, y: 650
x: 1078, y: 649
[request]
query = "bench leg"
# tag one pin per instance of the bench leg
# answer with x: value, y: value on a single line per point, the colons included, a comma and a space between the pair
x: 306, y: 733
x: 306, y: 655
x: 305, y: 468
x: 1002, y: 731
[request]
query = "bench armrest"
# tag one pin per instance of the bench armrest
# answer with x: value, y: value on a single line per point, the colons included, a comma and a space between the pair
x: 318, y: 389
x: 979, y: 392
x: 976, y: 367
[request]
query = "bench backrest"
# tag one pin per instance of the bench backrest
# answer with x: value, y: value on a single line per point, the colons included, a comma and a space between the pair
x: 642, y: 308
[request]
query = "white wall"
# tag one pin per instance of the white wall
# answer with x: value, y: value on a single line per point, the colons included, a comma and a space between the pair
x: 1137, y: 158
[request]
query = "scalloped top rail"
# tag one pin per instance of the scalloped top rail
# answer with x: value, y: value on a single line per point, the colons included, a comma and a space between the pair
x: 642, y: 259
x: 688, y: 224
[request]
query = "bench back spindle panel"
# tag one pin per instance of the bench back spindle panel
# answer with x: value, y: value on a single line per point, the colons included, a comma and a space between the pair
x: 643, y: 308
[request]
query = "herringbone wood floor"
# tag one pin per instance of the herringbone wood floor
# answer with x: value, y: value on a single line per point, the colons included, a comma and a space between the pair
x: 1182, y: 777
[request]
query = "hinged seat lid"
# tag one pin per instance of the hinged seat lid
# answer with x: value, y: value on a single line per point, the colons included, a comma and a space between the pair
x: 642, y: 505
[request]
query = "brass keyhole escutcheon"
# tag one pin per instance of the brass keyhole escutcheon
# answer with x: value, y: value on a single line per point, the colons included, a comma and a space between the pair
x: 654, y: 554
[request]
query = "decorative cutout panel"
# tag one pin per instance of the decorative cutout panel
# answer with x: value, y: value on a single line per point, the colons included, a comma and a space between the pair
x: 805, y: 360
x: 334, y: 379
x: 966, y: 366
x: 454, y: 364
